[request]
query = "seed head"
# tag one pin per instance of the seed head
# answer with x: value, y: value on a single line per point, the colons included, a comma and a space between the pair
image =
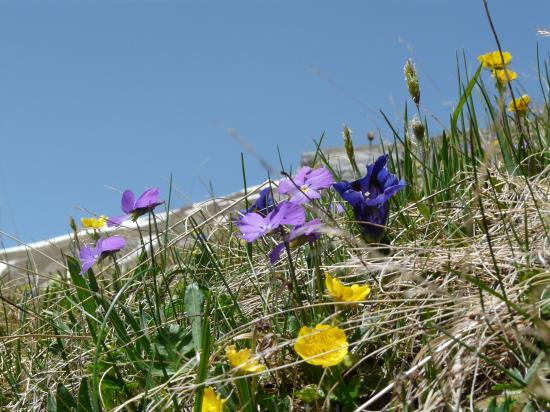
x: 348, y: 144
x: 411, y: 79
x: 72, y: 224
x: 418, y: 128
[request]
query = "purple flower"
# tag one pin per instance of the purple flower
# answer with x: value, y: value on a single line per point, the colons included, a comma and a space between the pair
x: 337, y: 208
x: 136, y: 207
x: 306, y: 233
x: 306, y: 184
x: 104, y: 247
x: 369, y: 197
x: 253, y: 225
x: 522, y: 149
x: 263, y: 205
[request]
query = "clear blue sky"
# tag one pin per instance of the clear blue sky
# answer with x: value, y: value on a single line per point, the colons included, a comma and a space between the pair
x: 101, y: 94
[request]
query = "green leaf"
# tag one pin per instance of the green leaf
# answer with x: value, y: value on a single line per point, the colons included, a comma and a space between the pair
x: 505, y: 406
x: 310, y: 394
x: 84, y: 399
x: 193, y: 300
x: 528, y: 408
x: 83, y: 292
x: 464, y: 97
x: 204, y: 358
x: 141, y: 337
x: 52, y: 403
x: 534, y: 367
x: 65, y: 401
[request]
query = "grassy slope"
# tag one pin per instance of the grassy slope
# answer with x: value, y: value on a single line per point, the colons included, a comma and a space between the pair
x: 457, y: 316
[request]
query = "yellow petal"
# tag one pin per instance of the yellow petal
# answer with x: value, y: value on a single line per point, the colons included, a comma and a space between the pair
x: 360, y: 292
x: 212, y: 402
x: 242, y: 360
x: 330, y: 284
x: 94, y: 223
x: 521, y: 104
x: 503, y: 76
x: 324, y: 345
x: 494, y: 60
x: 343, y: 293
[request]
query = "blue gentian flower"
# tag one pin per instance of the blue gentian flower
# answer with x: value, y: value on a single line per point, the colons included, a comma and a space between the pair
x: 369, y: 197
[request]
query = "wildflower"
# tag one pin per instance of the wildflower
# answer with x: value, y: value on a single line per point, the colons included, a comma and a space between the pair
x: 104, y: 247
x: 494, y: 60
x: 212, y: 402
x: 242, y: 360
x: 263, y: 204
x: 323, y: 345
x: 369, y: 197
x: 136, y: 207
x: 521, y: 149
x: 299, y: 235
x: 253, y: 225
x: 342, y: 293
x: 94, y: 223
x: 520, y: 104
x: 503, y: 76
x: 337, y: 208
x: 411, y: 79
x: 306, y: 184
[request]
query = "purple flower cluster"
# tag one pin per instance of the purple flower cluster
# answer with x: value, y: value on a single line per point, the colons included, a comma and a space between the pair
x: 368, y: 197
x: 263, y: 217
x: 107, y: 246
x: 253, y: 225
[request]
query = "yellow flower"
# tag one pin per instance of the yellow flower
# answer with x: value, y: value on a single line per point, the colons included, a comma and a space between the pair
x: 504, y: 75
x: 241, y: 360
x: 339, y: 291
x: 494, y: 60
x: 521, y: 104
x: 323, y: 346
x: 94, y: 223
x: 212, y: 402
